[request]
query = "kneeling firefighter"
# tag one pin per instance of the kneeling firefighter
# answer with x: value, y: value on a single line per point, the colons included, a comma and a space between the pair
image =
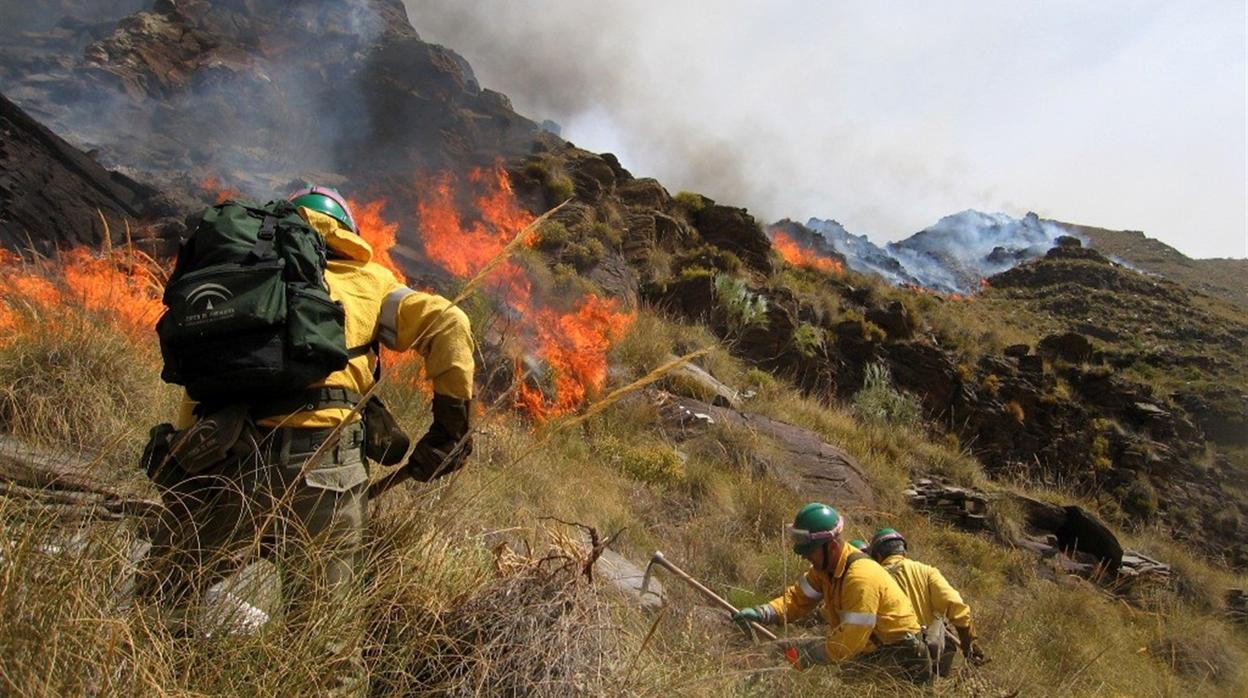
x: 936, y: 603
x: 274, y: 315
x: 869, y: 619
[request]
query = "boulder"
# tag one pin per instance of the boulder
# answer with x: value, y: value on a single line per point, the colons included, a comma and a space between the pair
x: 1068, y: 346
x: 644, y: 193
x: 1221, y: 413
x: 802, y: 460
x: 895, y: 319
x: 54, y: 195
x: 1075, y: 528
x: 691, y: 380
x: 735, y: 230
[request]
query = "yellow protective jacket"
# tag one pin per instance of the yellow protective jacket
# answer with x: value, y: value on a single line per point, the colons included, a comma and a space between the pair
x: 864, y: 607
x: 929, y: 592
x: 378, y: 306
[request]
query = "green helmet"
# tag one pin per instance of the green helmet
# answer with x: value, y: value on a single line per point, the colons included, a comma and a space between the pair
x: 886, y: 542
x: 327, y: 201
x: 813, y: 526
x: 859, y: 543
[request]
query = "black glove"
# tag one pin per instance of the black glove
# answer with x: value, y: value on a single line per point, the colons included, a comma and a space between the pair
x: 157, y: 460
x: 970, y: 646
x: 447, y: 444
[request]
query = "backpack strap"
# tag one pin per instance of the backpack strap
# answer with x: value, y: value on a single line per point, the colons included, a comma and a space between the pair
x: 263, y: 248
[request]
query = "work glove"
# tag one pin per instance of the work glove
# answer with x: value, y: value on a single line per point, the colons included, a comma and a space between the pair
x: 803, y: 654
x: 970, y: 647
x: 446, y: 446
x: 758, y: 614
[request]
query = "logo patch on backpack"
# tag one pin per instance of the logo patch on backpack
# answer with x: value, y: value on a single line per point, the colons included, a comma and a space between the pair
x: 204, y: 298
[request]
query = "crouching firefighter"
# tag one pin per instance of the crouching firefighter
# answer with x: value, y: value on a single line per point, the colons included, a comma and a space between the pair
x: 273, y: 319
x: 938, y: 606
x: 870, y: 622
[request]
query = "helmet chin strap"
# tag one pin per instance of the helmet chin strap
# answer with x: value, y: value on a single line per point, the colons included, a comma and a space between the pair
x: 828, y: 563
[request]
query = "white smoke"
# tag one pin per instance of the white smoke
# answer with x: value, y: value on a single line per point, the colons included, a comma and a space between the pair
x: 888, y: 115
x: 952, y: 255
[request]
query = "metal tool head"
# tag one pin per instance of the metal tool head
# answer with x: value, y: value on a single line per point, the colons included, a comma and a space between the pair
x: 657, y: 558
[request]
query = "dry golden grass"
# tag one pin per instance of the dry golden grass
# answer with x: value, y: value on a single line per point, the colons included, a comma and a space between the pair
x: 444, y: 610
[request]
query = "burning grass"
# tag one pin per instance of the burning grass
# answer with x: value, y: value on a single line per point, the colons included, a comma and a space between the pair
x: 798, y: 255
x: 77, y: 365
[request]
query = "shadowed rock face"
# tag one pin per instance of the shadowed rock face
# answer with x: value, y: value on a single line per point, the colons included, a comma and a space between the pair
x: 53, y: 195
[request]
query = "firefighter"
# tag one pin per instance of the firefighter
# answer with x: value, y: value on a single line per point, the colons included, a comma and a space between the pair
x: 269, y: 493
x: 870, y: 621
x: 936, y: 603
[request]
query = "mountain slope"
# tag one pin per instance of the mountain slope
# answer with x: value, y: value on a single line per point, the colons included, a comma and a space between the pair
x: 1224, y: 278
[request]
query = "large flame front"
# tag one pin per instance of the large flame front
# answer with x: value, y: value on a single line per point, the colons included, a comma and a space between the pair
x: 570, y: 339
x: 797, y: 255
x: 465, y: 224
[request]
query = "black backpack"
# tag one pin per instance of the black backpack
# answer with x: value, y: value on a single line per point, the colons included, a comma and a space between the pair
x: 248, y: 316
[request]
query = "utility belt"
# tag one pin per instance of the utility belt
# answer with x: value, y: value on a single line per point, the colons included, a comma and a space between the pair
x: 230, y: 431
x: 291, y: 444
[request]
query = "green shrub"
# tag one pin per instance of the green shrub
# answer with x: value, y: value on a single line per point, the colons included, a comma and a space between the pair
x: 552, y: 236
x: 655, y: 463
x: 1140, y: 500
x: 690, y: 202
x: 878, y: 401
x: 873, y: 332
x: 568, y: 281
x: 608, y: 234
x: 760, y: 380
x: 744, y: 309
x: 559, y: 188
x: 584, y: 254
x: 808, y: 340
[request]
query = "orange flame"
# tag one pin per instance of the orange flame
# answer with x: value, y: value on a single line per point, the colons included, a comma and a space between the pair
x: 797, y: 255
x: 212, y: 184
x: 378, y: 232
x: 575, y: 347
x: 120, y: 285
x: 572, y: 344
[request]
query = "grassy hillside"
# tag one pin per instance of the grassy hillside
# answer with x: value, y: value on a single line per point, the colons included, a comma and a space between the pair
x: 474, y: 583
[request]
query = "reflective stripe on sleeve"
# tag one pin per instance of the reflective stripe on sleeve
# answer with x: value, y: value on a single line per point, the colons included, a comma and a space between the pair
x: 855, y: 618
x: 807, y: 590
x: 388, y: 322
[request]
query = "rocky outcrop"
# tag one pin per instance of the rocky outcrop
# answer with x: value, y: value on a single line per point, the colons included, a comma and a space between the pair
x: 801, y: 460
x: 735, y: 230
x: 1068, y: 539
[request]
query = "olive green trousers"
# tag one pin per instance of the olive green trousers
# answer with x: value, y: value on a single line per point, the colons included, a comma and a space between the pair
x: 305, y: 514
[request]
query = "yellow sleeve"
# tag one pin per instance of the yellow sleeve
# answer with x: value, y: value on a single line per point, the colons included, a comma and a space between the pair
x: 860, y: 603
x: 442, y: 335
x: 799, y: 599
x: 947, y: 600
x: 186, y: 413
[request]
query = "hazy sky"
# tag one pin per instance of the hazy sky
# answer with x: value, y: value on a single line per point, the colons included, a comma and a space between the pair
x: 889, y: 115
